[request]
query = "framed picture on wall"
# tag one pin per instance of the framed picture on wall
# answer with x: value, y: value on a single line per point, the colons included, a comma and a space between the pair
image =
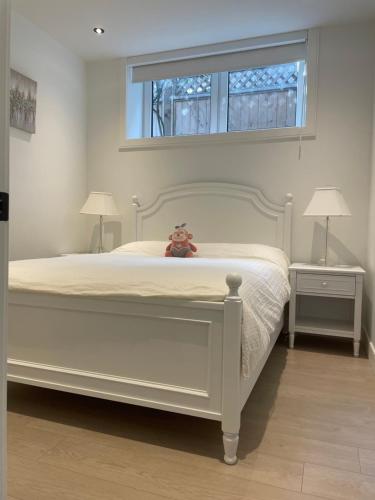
x: 23, y: 93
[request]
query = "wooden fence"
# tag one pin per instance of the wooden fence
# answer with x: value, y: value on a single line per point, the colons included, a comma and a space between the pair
x: 192, y: 116
x: 262, y: 110
x: 246, y: 111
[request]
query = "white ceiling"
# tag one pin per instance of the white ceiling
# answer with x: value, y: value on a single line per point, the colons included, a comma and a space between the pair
x: 141, y: 26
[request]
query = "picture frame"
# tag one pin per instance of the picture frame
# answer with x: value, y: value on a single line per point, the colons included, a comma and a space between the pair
x: 23, y: 101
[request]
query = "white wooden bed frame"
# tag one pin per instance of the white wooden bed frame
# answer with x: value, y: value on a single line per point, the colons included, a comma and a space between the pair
x: 180, y: 356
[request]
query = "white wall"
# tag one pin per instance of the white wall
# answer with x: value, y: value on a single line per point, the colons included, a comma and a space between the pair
x: 340, y: 155
x: 48, y: 177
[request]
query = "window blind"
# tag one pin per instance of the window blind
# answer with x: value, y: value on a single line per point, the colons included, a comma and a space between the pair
x: 231, y: 56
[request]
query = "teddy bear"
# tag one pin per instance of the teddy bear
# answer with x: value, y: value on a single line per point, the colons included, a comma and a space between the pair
x: 180, y: 245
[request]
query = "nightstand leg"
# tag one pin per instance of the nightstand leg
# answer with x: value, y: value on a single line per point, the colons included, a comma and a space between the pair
x: 291, y: 340
x: 358, y: 314
x: 356, y: 345
x: 292, y: 309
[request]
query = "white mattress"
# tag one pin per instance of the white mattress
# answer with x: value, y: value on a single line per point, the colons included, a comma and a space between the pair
x: 265, y: 288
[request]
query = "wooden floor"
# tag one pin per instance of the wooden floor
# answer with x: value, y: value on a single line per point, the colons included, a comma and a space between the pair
x: 308, y: 432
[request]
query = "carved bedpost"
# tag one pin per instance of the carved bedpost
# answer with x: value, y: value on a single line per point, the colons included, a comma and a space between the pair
x: 231, y: 404
x: 287, y: 243
x: 135, y: 206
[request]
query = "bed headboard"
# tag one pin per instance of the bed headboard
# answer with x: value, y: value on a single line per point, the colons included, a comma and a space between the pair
x: 215, y: 212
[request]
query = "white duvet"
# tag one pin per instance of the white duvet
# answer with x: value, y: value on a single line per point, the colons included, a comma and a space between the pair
x: 135, y: 271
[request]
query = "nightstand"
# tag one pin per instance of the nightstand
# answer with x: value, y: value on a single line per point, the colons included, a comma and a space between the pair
x: 326, y: 301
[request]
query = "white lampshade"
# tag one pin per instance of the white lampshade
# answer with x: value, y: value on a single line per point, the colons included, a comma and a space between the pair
x: 327, y: 202
x: 100, y: 204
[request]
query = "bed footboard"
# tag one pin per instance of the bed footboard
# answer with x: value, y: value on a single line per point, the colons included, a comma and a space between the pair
x: 179, y: 356
x: 157, y: 353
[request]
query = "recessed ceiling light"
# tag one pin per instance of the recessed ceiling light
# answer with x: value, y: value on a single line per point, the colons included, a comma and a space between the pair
x: 98, y: 31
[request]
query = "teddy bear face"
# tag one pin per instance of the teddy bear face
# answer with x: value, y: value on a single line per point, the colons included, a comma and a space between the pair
x: 180, y: 235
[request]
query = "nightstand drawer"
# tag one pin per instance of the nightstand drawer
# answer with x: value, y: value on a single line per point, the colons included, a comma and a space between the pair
x: 326, y: 284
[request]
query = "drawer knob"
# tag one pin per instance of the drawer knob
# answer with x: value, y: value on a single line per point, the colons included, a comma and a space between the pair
x: 324, y: 284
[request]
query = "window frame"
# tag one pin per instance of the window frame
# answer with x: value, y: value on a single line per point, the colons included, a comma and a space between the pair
x: 219, y: 113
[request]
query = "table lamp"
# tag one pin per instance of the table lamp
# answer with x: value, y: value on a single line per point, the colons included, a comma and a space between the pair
x: 327, y: 202
x: 100, y: 204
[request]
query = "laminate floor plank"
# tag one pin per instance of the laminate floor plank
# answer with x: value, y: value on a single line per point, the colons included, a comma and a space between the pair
x: 338, y: 485
x: 271, y: 470
x: 367, y: 461
x: 329, y: 431
x: 300, y: 449
x: 362, y: 389
x: 347, y: 413
x: 31, y: 443
x: 29, y: 480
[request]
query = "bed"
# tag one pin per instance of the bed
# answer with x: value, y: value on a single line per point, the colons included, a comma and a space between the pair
x: 183, y: 335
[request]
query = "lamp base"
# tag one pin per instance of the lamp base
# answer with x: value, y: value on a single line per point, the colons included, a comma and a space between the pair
x: 325, y: 260
x: 100, y: 247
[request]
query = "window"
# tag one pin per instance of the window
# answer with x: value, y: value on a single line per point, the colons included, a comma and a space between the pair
x: 263, y: 98
x: 181, y: 106
x: 253, y: 99
x: 237, y: 95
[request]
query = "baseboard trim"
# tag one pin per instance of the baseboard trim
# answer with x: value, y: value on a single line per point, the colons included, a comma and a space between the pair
x: 371, y: 353
x: 370, y: 348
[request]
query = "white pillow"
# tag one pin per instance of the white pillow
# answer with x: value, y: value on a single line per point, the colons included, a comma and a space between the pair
x: 231, y: 250
x: 244, y: 251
